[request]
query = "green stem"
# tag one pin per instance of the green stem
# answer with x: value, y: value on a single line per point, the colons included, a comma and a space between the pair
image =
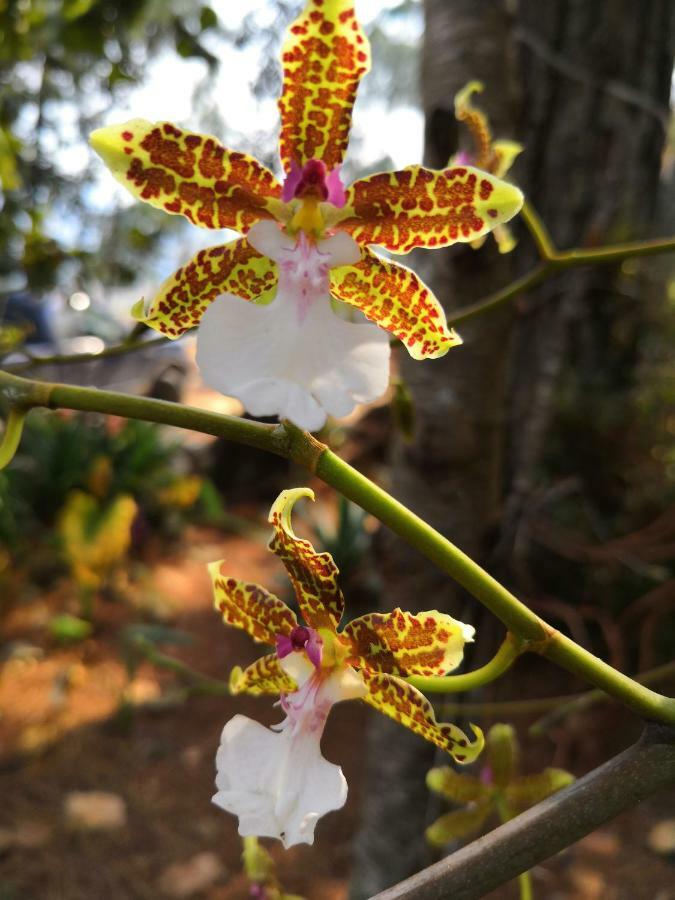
x: 553, y: 260
x: 12, y: 436
x: 504, y: 658
x: 288, y: 441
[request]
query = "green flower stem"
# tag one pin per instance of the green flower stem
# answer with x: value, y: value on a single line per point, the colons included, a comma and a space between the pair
x: 503, y: 659
x: 12, y: 436
x: 288, y: 441
x: 554, y: 260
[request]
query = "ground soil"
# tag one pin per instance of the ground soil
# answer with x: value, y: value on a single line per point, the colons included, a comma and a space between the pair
x: 60, y: 731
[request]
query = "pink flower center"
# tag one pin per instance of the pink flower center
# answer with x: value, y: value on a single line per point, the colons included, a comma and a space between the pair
x: 301, y: 639
x: 314, y: 182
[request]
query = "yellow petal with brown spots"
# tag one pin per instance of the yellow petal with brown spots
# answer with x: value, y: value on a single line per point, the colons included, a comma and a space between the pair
x: 400, y: 643
x: 393, y: 297
x: 419, y: 207
x: 407, y: 705
x: 188, y: 174
x: 314, y: 575
x: 234, y: 268
x: 264, y: 676
x: 324, y: 57
x: 250, y: 607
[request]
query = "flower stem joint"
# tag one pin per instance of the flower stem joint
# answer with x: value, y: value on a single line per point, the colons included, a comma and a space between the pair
x: 276, y: 781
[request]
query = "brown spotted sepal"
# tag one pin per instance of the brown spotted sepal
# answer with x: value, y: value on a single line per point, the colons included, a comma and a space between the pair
x: 419, y: 207
x: 393, y: 297
x: 264, y: 676
x: 324, y: 57
x: 189, y: 174
x: 250, y: 607
x: 314, y: 575
x: 234, y: 268
x: 401, y: 643
x: 404, y: 703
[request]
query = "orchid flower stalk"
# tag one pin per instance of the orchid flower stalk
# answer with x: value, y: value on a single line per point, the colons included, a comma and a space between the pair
x: 269, y: 333
x: 276, y: 781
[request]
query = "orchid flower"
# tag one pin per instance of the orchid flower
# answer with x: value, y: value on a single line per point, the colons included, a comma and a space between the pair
x: 495, y: 157
x: 272, y: 337
x: 276, y: 781
x: 498, y: 789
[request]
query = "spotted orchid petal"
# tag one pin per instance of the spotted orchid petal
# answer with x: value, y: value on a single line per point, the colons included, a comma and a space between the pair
x: 188, y: 174
x: 400, y: 643
x: 528, y: 790
x: 324, y: 57
x: 277, y: 782
x: 477, y: 123
x: 393, y: 297
x: 504, y: 154
x: 294, y: 357
x: 264, y: 676
x: 459, y: 823
x: 419, y: 207
x: 250, y: 607
x: 235, y: 268
x: 404, y: 703
x: 455, y: 787
x: 314, y: 575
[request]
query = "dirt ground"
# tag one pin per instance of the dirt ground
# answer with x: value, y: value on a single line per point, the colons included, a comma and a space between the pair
x: 61, y: 731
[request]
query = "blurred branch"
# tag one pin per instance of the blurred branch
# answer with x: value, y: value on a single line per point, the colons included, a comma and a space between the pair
x: 290, y: 442
x: 121, y: 349
x: 626, y: 780
x: 197, y: 683
x: 554, y: 260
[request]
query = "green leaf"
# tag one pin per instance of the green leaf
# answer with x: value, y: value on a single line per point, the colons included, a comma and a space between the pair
x: 458, y: 824
x: 207, y: 18
x: 68, y: 629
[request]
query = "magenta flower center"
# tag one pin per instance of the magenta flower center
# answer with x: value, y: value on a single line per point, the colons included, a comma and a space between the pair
x: 313, y: 181
x: 299, y: 637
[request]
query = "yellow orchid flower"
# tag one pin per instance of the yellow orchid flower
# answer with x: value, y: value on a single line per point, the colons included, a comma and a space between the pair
x: 305, y: 240
x: 493, y: 156
x: 276, y: 781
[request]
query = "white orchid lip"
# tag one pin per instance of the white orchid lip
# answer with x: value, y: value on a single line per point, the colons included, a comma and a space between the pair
x: 275, y: 780
x: 294, y: 357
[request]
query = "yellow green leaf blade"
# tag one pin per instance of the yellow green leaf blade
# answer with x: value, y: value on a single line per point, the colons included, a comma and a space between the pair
x: 188, y: 174
x: 250, y: 607
x: 234, y: 268
x: 393, y: 297
x: 324, y: 57
x: 314, y: 575
x: 458, y: 824
x: 419, y: 207
x: 404, y: 703
x: 264, y: 676
x: 402, y: 643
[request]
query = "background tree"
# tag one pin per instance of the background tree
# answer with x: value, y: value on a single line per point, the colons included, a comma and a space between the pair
x: 585, y: 87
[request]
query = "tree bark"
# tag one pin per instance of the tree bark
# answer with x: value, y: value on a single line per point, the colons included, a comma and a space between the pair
x: 585, y: 87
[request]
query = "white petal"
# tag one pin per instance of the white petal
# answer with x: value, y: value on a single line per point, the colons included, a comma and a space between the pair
x: 277, y: 783
x: 268, y: 238
x: 297, y: 368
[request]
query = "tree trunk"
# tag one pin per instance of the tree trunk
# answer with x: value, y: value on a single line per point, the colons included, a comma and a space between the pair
x: 591, y: 81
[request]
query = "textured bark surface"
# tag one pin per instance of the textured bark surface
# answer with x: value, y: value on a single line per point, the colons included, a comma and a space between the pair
x: 585, y: 86
x: 451, y: 472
